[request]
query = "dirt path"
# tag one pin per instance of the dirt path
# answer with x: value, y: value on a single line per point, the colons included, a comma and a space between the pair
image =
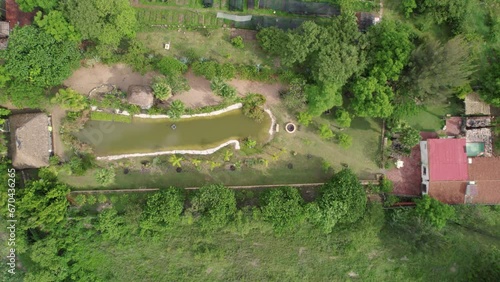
x: 121, y: 75
x: 200, y: 93
x: 270, y: 91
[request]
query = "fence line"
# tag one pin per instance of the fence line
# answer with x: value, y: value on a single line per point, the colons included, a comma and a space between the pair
x: 298, y: 185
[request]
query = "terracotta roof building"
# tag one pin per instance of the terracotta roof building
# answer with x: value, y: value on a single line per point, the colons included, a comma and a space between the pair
x: 15, y: 16
x: 451, y: 177
x: 30, y: 140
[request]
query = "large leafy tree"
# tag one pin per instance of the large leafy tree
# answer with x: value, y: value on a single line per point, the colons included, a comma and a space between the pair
x: 30, y: 5
x: 42, y: 203
x: 283, y: 208
x: 216, y: 204
x: 436, y: 70
x: 491, y: 79
x: 106, y: 22
x: 322, y: 97
x: 36, y: 59
x: 342, y: 200
x: 389, y: 50
x: 56, y: 25
x: 163, y: 209
x: 371, y: 98
x: 433, y: 211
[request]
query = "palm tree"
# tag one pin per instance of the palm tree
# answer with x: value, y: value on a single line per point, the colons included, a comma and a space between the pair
x: 175, y: 160
x: 275, y: 156
x: 213, y: 165
x: 263, y: 161
x: 227, y: 155
x: 196, y: 162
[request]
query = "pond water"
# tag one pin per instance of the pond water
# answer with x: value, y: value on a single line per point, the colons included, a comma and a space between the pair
x: 145, y: 135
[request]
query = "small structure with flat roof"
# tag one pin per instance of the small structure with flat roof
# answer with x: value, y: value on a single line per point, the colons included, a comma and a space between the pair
x: 474, y: 105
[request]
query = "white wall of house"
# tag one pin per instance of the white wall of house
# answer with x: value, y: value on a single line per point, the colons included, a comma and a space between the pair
x: 424, y: 157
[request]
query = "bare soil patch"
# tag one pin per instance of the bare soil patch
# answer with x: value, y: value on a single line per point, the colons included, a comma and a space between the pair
x: 200, y: 93
x: 270, y: 91
x: 85, y: 79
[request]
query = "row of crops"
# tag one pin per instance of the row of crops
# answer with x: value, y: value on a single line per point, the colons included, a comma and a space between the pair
x: 178, y: 17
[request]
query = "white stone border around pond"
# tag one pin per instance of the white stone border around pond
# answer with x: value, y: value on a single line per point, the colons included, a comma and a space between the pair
x: 188, y: 152
x: 214, y: 113
x: 273, y: 121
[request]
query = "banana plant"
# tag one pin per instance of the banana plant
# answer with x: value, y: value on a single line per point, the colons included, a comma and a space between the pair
x: 175, y: 160
x: 227, y: 155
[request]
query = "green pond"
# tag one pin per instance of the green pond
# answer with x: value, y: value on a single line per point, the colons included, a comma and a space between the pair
x: 145, y: 135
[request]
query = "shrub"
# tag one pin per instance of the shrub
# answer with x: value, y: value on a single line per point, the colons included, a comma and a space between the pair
x: 69, y: 99
x: 304, y: 118
x: 220, y: 88
x: 80, y: 199
x: 325, y: 132
x: 163, y: 209
x: 171, y: 67
x: 105, y: 176
x: 433, y: 211
x: 386, y: 185
x: 79, y: 164
x: 207, y: 69
x: 161, y: 89
x: 226, y: 71
x: 294, y: 98
x: 345, y: 140
x: 253, y: 106
x: 409, y: 137
x: 238, y: 42
x: 177, y: 109
x: 343, y: 118
x: 102, y: 198
x: 250, y: 143
x: 91, y: 199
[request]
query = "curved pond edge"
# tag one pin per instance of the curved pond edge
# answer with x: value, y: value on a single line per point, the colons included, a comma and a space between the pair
x: 190, y: 152
x: 214, y: 113
x: 181, y: 152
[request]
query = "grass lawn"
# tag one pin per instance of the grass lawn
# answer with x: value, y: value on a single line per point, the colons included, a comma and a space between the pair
x: 215, y: 46
x: 431, y: 118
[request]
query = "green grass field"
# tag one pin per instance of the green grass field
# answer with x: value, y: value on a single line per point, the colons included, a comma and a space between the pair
x: 214, y: 44
x: 431, y: 118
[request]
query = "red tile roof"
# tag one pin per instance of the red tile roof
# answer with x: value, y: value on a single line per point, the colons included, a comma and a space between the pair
x: 447, y: 159
x: 448, y: 192
x: 486, y: 173
x: 14, y: 15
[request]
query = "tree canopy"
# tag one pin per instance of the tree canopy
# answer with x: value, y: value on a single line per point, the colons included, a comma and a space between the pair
x: 341, y: 200
x: 106, y: 22
x: 36, y: 58
x: 56, y: 25
x: 42, y: 203
x: 433, y: 211
x: 30, y: 5
x: 436, y: 70
x: 216, y: 204
x: 283, y: 208
x: 163, y: 209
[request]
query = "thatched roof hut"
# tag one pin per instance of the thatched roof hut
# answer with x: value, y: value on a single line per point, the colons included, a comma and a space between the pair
x: 475, y: 106
x: 141, y: 96
x: 30, y: 140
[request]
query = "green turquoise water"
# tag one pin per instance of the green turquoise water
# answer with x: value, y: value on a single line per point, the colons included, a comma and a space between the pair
x: 474, y: 149
x: 152, y: 135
